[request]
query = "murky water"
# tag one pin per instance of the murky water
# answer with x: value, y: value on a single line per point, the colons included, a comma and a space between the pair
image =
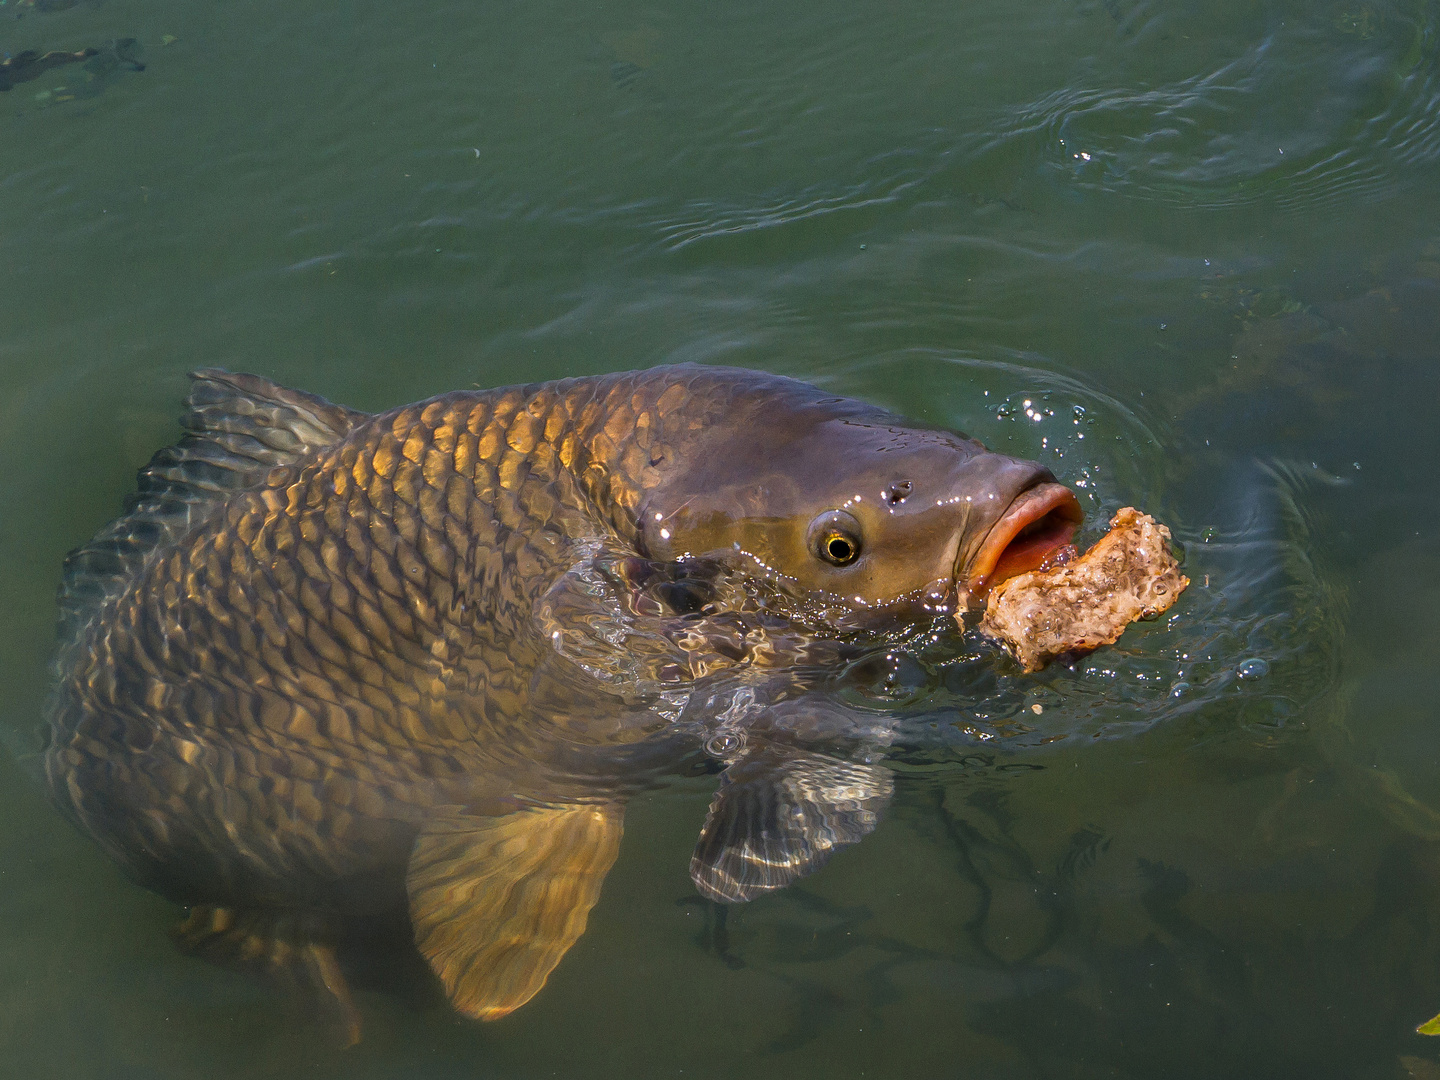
x: 1189, y: 255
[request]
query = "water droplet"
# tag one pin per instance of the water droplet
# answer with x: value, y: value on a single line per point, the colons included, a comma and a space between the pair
x: 1254, y: 668
x: 1207, y: 534
x: 1179, y: 689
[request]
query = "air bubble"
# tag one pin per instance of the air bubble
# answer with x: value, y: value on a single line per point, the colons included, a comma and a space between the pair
x: 722, y: 744
x: 1254, y: 668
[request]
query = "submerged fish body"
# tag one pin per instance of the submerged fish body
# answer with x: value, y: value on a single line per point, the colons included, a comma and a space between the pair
x: 331, y: 664
x: 27, y: 65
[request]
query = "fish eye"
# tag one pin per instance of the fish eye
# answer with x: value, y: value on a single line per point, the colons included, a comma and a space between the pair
x: 840, y: 549
x: 835, y: 538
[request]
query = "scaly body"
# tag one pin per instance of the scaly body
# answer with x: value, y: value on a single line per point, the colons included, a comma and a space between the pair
x: 309, y: 672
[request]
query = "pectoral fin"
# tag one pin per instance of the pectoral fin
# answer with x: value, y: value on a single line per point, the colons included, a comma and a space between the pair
x: 496, y: 902
x: 779, y: 815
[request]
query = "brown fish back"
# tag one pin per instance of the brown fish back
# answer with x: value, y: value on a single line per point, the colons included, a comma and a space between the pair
x: 238, y: 429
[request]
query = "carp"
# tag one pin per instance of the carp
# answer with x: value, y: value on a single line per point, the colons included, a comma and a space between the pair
x: 22, y: 67
x: 29, y: 65
x: 330, y: 665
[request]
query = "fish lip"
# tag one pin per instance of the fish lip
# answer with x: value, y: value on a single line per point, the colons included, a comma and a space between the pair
x: 1044, y: 499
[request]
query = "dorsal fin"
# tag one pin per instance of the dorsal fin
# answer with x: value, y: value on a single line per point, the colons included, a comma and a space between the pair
x: 238, y: 429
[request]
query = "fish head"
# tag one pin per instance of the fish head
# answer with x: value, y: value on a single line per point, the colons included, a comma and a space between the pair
x: 859, y: 510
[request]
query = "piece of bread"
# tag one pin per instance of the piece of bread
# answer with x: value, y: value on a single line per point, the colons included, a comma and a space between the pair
x: 1129, y: 574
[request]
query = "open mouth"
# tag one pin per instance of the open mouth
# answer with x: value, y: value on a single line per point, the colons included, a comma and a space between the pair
x: 1036, y: 528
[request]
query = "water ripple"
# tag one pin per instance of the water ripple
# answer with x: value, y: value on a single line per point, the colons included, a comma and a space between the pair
x: 1234, y: 136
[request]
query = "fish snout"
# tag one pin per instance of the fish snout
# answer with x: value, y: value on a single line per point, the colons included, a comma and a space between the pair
x: 1036, y: 519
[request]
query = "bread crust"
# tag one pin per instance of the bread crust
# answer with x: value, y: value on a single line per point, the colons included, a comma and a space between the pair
x: 1088, y: 602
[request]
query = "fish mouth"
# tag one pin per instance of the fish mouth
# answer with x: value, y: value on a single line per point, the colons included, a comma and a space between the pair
x: 1032, y: 531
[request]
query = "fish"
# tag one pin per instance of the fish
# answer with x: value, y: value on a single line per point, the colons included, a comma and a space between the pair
x: 329, y: 665
x: 27, y: 65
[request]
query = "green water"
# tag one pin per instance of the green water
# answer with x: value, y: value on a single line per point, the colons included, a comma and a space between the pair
x: 1214, y: 228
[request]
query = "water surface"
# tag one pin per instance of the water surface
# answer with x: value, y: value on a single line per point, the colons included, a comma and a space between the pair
x: 1188, y: 255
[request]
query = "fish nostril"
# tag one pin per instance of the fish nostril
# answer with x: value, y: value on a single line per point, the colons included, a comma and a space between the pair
x: 898, y: 492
